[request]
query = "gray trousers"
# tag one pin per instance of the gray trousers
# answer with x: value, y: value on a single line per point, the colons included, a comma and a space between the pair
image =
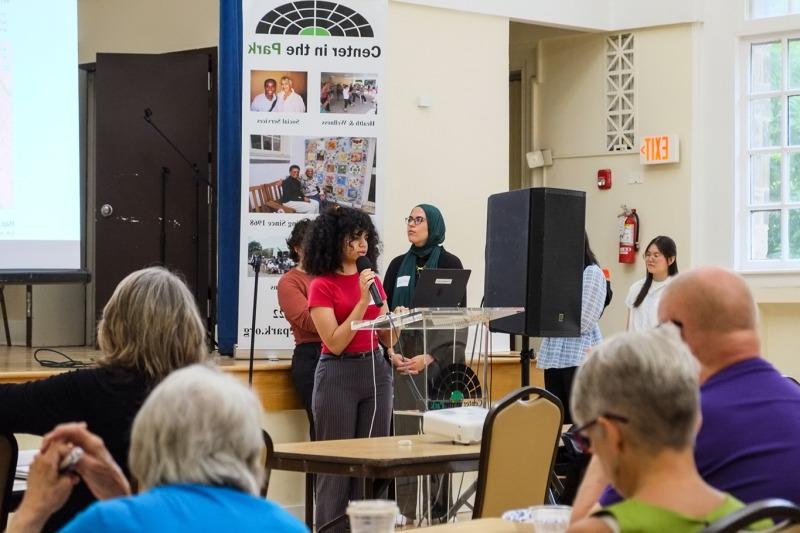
x: 344, y: 400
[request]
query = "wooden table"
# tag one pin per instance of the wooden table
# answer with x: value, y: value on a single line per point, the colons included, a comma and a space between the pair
x: 378, y: 458
x: 480, y: 525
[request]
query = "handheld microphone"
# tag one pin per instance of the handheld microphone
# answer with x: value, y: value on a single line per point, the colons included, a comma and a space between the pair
x: 363, y: 263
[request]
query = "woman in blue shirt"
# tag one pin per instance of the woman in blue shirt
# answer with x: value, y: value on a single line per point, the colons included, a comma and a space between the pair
x: 196, y: 448
x: 561, y: 356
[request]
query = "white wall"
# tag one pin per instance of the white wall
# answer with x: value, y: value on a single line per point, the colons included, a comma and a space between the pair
x: 570, y: 105
x: 601, y: 15
x: 455, y: 153
x: 145, y: 26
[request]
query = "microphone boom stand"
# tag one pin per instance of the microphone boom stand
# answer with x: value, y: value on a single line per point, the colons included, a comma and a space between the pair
x: 198, y: 179
x: 256, y: 264
x: 163, y: 223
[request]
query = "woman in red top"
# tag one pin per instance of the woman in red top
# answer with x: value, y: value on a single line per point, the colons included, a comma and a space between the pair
x: 353, y: 381
x: 293, y: 300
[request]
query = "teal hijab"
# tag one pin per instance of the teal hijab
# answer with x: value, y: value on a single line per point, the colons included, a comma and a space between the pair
x: 432, y: 249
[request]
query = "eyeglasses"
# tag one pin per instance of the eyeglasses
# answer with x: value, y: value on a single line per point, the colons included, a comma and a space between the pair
x: 653, y: 255
x: 414, y: 221
x: 579, y: 437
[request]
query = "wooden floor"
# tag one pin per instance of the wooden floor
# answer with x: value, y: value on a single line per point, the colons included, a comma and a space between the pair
x: 271, y: 379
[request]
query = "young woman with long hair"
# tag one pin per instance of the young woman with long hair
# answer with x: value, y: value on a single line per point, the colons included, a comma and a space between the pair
x: 661, y: 260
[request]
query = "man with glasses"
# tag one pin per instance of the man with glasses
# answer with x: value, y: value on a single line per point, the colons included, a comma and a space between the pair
x: 749, y: 440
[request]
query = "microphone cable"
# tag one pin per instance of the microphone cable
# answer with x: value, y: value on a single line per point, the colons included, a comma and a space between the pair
x: 374, y: 380
x: 49, y: 363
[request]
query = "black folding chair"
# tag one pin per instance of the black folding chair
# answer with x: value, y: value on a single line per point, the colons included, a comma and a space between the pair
x: 784, y: 514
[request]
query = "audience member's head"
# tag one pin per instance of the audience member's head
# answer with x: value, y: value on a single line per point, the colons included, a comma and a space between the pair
x: 295, y: 240
x: 636, y: 397
x: 198, y: 426
x: 717, y: 316
x: 151, y: 323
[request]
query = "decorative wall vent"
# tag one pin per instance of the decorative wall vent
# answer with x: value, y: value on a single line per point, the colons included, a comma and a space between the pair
x: 620, y: 118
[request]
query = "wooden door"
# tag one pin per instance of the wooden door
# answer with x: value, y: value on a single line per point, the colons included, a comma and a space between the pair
x: 130, y: 156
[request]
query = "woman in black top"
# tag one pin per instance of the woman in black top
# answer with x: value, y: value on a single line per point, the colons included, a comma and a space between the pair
x: 150, y: 326
x: 419, y: 371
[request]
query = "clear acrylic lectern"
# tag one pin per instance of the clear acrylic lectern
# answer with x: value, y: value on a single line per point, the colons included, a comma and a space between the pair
x: 451, y: 346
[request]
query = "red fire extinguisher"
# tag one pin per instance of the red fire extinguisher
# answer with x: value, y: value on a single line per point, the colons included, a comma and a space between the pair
x: 628, y: 235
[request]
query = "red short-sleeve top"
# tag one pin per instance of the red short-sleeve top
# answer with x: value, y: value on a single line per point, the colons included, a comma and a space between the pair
x: 341, y: 292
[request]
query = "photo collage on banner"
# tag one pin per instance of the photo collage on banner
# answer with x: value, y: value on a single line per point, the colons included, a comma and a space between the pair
x: 312, y: 134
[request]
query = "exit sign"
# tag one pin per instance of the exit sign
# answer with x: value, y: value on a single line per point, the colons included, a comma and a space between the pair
x: 659, y: 149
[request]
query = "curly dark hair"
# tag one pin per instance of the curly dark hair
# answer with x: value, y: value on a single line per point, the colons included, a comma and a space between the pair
x: 323, y: 246
x: 296, y: 238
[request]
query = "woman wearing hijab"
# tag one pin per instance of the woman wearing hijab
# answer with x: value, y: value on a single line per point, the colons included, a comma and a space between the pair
x: 425, y: 229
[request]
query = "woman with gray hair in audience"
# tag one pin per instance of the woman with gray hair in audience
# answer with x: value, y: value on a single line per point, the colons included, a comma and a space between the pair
x: 150, y: 327
x: 637, y: 400
x: 195, y: 450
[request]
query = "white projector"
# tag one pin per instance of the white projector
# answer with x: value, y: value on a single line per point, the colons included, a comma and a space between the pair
x: 459, y: 424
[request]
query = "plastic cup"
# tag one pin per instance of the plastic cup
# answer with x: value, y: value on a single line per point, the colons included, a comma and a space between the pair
x: 549, y: 518
x: 372, y: 516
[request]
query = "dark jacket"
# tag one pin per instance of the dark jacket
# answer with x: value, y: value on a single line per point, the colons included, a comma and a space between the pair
x: 292, y: 190
x: 106, y: 398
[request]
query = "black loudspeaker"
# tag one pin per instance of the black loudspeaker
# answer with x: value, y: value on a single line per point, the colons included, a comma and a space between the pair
x: 534, y: 259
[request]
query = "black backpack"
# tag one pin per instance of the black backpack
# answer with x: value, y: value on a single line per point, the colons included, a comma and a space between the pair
x: 609, y: 295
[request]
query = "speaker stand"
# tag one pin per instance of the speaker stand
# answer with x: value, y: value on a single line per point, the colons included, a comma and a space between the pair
x: 525, y: 357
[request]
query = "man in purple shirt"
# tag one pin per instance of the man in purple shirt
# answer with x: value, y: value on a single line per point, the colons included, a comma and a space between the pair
x: 749, y: 440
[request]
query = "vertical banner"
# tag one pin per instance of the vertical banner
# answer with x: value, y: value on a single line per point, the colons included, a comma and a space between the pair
x: 313, y: 76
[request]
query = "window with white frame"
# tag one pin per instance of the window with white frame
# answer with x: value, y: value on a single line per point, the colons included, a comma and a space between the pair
x: 771, y: 155
x: 773, y: 8
x: 269, y: 147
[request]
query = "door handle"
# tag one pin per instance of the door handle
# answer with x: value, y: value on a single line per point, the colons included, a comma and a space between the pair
x: 106, y: 210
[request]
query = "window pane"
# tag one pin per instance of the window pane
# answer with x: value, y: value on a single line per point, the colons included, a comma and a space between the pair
x: 255, y: 142
x: 794, y: 63
x: 767, y: 8
x: 765, y: 67
x: 794, y: 233
x: 765, y: 234
x: 765, y: 178
x: 276, y: 143
x: 794, y: 177
x: 765, y: 122
x: 794, y: 120
x: 267, y: 142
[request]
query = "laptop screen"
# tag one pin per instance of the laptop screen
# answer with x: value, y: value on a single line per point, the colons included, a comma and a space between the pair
x: 441, y: 287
